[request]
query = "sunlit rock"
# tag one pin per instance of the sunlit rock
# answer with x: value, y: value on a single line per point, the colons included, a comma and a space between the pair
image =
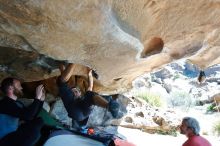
x: 119, y: 39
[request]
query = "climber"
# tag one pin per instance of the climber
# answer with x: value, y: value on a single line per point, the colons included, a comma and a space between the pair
x: 79, y: 107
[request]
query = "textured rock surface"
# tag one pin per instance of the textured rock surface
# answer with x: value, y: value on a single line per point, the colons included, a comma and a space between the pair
x: 120, y: 39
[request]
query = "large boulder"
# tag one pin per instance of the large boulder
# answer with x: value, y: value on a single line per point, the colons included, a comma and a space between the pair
x: 119, y: 39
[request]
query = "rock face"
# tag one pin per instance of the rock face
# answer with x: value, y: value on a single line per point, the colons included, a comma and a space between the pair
x: 119, y: 39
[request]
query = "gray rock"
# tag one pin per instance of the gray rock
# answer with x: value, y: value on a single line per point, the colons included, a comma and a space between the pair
x: 128, y: 119
x: 139, y: 114
x: 59, y: 112
x: 163, y: 73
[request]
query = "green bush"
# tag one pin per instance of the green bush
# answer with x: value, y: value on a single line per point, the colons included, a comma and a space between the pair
x: 211, y: 108
x: 216, y: 128
x: 150, y: 98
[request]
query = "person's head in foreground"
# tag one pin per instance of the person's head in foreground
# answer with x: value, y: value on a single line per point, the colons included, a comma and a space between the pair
x: 190, y: 127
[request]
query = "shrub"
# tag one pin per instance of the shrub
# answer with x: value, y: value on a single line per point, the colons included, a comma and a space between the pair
x: 172, y: 132
x: 181, y: 99
x: 211, y: 108
x: 176, y: 76
x: 216, y: 128
x: 150, y: 98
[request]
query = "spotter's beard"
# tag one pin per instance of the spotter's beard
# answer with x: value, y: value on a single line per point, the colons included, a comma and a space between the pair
x: 18, y: 93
